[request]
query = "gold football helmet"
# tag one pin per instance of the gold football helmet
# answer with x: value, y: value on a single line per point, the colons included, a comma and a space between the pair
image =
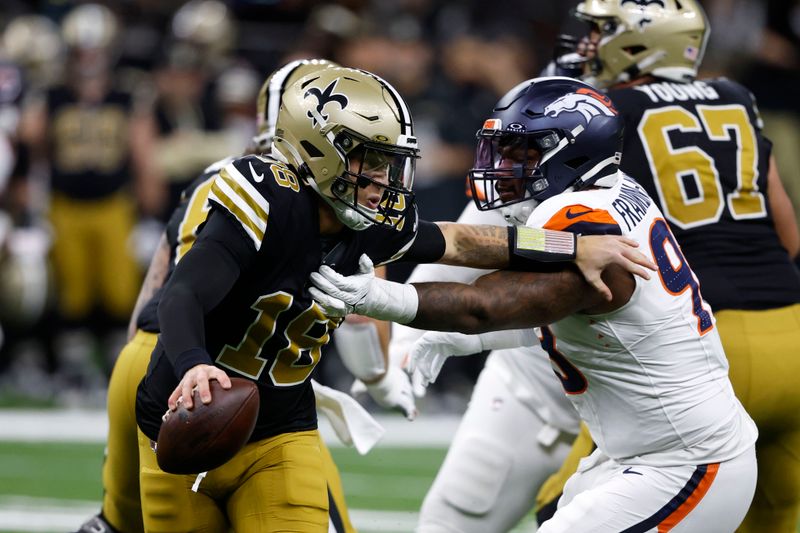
x: 90, y: 26
x: 207, y: 24
x: 346, y: 130
x: 269, y: 97
x: 665, y: 38
x: 34, y: 43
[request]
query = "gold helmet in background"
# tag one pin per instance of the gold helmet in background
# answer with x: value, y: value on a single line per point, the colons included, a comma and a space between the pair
x: 34, y: 43
x: 207, y: 24
x: 665, y: 38
x: 90, y: 26
x: 345, y: 130
x: 269, y: 97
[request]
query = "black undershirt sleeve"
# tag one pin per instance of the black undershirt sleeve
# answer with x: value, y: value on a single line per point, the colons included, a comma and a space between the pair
x: 203, y: 277
x: 429, y: 245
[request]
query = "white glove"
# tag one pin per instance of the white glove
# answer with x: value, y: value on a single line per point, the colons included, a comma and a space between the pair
x: 399, y: 357
x: 393, y: 391
x: 429, y: 352
x: 364, y: 294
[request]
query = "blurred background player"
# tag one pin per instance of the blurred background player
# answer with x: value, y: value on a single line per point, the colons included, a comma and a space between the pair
x: 697, y: 147
x: 97, y: 143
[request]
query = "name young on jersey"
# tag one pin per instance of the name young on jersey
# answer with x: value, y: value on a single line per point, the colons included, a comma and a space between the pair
x: 669, y: 92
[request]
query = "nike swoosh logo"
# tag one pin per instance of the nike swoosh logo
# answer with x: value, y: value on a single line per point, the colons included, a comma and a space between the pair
x: 572, y: 215
x: 629, y: 471
x: 256, y: 176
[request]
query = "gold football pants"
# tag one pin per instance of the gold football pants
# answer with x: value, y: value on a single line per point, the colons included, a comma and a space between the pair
x: 763, y: 349
x: 121, y: 499
x: 92, y: 263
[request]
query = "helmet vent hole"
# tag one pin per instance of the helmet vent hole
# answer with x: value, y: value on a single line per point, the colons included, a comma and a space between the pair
x: 633, y: 50
x: 679, y: 5
x: 576, y: 162
x: 531, y: 113
x: 311, y: 150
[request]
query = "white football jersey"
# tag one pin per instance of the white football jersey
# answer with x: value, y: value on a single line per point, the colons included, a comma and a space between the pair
x: 651, y: 378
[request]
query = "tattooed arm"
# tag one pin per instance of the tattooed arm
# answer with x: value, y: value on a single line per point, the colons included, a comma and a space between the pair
x: 153, y: 280
x: 475, y: 246
x: 501, y: 300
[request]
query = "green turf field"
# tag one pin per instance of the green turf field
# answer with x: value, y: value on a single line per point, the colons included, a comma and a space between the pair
x: 380, y: 486
x: 59, y: 483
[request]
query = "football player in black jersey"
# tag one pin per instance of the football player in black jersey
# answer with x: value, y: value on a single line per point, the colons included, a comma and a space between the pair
x: 336, y: 186
x: 122, y: 506
x: 697, y: 147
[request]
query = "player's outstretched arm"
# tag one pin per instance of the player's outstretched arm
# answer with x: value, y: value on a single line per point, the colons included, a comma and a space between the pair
x: 524, y: 248
x: 500, y: 300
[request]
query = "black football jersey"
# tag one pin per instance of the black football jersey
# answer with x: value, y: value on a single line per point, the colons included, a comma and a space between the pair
x: 697, y: 148
x: 268, y: 328
x: 88, y: 144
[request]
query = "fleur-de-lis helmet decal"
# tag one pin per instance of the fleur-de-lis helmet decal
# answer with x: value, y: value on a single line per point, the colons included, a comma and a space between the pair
x: 324, y: 97
x: 348, y: 133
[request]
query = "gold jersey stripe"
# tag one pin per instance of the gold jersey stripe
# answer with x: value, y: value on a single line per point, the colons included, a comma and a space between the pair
x: 244, y: 190
x: 253, y: 230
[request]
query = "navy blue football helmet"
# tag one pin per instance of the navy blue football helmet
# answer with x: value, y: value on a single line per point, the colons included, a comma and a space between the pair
x: 545, y: 136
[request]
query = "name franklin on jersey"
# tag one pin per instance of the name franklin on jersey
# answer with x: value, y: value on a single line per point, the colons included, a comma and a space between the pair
x: 632, y: 203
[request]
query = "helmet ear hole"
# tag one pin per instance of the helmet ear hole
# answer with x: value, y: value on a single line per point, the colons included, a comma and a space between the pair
x: 311, y: 150
x: 339, y: 188
x: 576, y: 162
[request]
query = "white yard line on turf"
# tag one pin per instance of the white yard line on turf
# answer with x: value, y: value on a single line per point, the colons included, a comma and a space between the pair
x: 73, y: 425
x: 45, y: 515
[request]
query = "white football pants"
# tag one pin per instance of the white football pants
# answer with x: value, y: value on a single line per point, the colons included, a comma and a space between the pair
x: 500, y: 455
x: 607, y: 496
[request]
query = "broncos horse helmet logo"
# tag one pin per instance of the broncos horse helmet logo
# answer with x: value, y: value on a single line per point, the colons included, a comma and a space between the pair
x: 324, y: 97
x: 588, y: 102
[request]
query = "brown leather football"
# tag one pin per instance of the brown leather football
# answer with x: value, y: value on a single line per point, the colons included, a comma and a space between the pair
x: 207, y: 436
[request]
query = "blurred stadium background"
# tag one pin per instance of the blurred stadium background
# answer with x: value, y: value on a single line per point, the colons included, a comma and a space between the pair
x: 184, y: 76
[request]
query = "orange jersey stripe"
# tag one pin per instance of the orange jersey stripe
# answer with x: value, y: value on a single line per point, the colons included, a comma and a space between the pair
x: 572, y: 214
x: 691, y: 502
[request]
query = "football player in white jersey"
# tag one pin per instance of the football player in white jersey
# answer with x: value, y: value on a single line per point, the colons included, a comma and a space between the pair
x: 645, y: 370
x: 515, y: 432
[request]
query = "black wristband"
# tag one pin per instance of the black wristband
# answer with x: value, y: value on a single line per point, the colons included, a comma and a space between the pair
x: 535, y: 245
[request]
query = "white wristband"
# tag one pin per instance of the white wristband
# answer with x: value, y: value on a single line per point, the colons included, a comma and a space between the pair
x: 387, y: 300
x: 512, y: 338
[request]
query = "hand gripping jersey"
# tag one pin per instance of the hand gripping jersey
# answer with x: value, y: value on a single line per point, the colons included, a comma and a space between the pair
x: 649, y: 379
x: 267, y: 328
x: 697, y: 148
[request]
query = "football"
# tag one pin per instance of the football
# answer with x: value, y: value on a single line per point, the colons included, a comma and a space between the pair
x: 200, y: 439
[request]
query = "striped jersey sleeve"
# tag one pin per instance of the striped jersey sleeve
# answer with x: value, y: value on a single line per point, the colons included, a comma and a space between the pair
x: 238, y: 195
